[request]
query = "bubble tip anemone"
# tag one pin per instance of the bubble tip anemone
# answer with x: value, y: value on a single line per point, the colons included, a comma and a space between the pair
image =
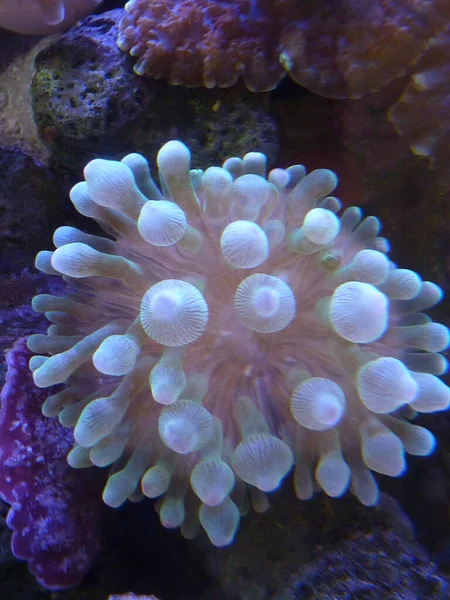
x: 267, y: 332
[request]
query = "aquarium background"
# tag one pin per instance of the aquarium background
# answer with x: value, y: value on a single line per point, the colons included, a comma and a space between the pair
x: 357, y: 87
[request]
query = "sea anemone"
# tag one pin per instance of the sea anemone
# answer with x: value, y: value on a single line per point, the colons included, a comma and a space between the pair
x: 232, y: 326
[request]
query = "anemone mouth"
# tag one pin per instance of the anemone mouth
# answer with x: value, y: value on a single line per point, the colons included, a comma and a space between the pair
x: 233, y: 328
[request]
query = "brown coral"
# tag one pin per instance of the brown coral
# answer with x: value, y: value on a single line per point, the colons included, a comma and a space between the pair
x: 334, y: 49
x: 422, y: 114
x: 202, y: 42
x: 340, y: 49
x: 347, y: 48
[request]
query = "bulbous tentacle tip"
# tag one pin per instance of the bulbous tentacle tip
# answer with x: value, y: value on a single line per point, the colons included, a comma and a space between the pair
x: 264, y: 303
x: 173, y: 159
x: 263, y: 461
x: 173, y: 312
x: 185, y: 426
x: 359, y: 312
x: 220, y: 522
x: 385, y: 384
x: 318, y: 404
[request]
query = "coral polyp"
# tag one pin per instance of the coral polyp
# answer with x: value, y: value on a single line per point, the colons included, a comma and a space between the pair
x: 232, y: 326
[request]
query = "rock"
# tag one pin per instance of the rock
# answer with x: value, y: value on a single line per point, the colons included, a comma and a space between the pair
x: 30, y: 199
x: 88, y: 102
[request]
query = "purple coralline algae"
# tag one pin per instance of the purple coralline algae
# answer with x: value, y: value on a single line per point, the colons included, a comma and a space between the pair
x: 54, y: 515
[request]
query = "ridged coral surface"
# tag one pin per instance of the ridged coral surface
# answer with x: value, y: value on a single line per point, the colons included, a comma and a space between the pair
x: 233, y: 326
x: 340, y: 49
x: 422, y: 114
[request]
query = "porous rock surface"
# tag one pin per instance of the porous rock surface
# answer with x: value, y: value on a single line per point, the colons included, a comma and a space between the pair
x: 86, y: 99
